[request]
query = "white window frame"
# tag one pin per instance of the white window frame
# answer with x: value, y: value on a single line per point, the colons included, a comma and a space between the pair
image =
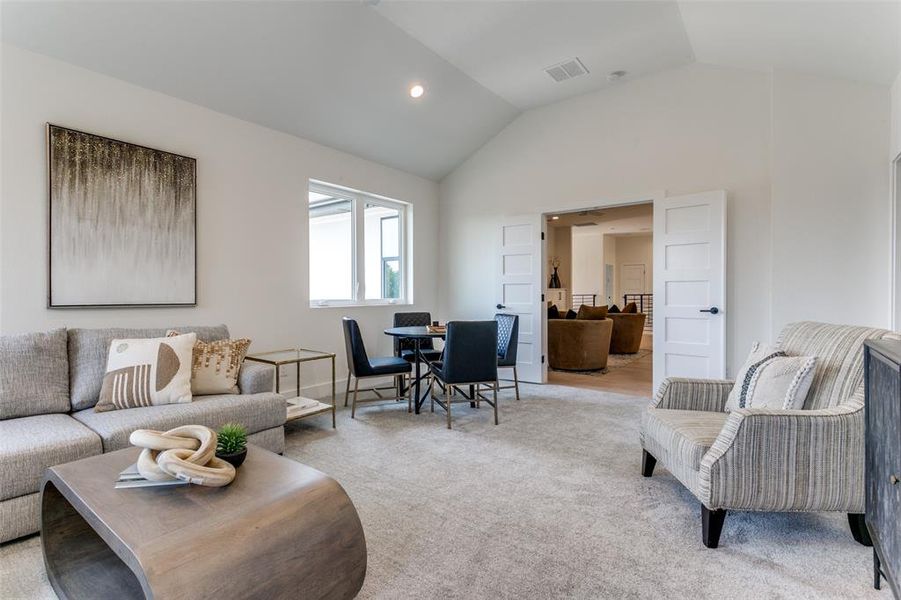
x: 359, y: 199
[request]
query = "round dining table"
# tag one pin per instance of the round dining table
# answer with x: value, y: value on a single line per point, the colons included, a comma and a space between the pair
x: 417, y: 334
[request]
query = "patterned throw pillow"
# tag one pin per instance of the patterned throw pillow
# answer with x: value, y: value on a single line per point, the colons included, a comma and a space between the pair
x: 147, y: 372
x: 215, y: 365
x: 780, y: 383
x: 770, y: 379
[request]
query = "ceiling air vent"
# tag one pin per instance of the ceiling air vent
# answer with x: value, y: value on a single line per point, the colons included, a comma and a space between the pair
x: 566, y: 70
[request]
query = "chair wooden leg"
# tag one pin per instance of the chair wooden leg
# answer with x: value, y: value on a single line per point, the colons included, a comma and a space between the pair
x: 647, y: 463
x: 712, y: 526
x: 447, y: 399
x: 353, y: 406
x: 347, y: 390
x: 495, y: 402
x: 516, y: 382
x: 859, y: 529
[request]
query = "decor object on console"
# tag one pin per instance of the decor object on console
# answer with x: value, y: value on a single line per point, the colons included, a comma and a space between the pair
x: 764, y: 459
x: 232, y: 444
x: 187, y: 452
x: 555, y: 278
x: 147, y: 372
x: 122, y: 223
x: 299, y: 533
x: 215, y: 365
x: 882, y: 368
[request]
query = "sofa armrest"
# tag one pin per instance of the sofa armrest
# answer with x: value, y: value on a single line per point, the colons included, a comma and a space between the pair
x: 788, y: 460
x: 681, y: 393
x: 256, y: 378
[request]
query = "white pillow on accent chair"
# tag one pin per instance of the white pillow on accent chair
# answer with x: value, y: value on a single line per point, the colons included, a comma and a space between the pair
x: 770, y: 379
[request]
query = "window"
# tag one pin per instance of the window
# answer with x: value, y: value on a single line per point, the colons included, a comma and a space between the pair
x: 357, y: 247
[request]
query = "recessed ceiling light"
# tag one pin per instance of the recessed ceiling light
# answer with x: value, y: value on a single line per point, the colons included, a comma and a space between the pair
x: 614, y: 75
x: 555, y: 218
x: 416, y: 90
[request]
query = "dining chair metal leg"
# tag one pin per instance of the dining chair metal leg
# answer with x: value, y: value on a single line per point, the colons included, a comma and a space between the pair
x: 478, y: 395
x: 431, y: 395
x: 447, y: 399
x: 347, y: 390
x: 410, y: 395
x: 353, y: 406
x: 516, y: 381
x: 495, y: 402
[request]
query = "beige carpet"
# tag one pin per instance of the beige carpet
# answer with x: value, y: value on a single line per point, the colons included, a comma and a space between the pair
x: 549, y: 504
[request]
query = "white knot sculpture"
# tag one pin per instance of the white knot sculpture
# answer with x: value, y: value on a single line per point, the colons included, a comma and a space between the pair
x: 187, y: 453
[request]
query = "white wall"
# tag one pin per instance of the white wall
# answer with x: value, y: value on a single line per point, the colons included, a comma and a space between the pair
x: 587, y: 260
x: 688, y: 130
x: 685, y: 130
x: 896, y: 118
x: 830, y: 189
x: 251, y: 210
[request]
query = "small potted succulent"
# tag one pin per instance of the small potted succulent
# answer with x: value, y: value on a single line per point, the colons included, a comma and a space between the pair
x: 232, y: 444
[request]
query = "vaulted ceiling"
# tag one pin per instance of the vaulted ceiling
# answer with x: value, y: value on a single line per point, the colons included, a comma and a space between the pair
x: 338, y: 72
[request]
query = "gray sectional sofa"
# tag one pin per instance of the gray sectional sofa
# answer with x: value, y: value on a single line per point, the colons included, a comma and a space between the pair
x: 49, y: 383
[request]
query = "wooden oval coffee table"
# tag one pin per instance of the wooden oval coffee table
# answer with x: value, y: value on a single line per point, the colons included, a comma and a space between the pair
x: 280, y: 530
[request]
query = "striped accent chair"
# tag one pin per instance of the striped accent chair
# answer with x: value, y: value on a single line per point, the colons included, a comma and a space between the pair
x: 769, y: 460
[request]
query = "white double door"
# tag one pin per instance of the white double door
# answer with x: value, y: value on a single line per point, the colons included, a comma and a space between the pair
x: 689, y: 287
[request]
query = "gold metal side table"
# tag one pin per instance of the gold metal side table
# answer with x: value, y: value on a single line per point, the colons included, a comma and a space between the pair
x: 299, y: 407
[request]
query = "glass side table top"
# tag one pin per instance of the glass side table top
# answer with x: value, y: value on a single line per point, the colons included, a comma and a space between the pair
x: 290, y: 355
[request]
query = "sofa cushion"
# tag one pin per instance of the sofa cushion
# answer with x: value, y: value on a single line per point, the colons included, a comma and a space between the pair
x: 685, y: 436
x: 89, y: 348
x: 34, y: 374
x: 591, y: 313
x: 256, y: 412
x: 32, y: 444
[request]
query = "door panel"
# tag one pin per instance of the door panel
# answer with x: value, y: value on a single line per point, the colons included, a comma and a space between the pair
x: 689, y: 280
x: 520, y: 285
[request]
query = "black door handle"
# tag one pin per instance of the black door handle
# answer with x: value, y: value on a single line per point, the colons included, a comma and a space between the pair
x: 500, y: 306
x: 712, y: 310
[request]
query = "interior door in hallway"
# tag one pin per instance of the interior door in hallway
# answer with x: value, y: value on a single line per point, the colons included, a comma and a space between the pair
x: 690, y: 286
x: 520, y: 289
x: 633, y: 279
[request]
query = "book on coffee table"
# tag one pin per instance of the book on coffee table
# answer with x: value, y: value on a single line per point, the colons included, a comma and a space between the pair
x: 131, y: 478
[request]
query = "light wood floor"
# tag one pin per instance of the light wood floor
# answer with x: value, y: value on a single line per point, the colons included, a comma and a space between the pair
x: 635, y: 379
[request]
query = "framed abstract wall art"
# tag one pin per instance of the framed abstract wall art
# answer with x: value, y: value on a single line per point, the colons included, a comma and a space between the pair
x: 122, y: 223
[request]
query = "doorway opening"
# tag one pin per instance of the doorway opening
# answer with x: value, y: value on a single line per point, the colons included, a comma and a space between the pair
x: 599, y: 298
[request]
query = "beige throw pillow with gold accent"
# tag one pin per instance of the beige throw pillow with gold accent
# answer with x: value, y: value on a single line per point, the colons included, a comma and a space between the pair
x: 147, y: 372
x: 215, y: 365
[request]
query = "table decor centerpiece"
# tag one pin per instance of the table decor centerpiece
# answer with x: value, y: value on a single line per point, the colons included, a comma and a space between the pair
x: 186, y: 453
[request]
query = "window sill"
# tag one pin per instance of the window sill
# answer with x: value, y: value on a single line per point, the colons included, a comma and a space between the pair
x: 374, y: 303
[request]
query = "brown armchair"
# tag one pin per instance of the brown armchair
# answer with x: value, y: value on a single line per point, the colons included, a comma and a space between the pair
x: 627, y: 330
x: 578, y: 344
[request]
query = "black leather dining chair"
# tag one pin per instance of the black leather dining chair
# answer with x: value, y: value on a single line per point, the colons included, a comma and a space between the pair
x: 470, y: 358
x: 360, y: 366
x: 404, y: 348
x: 507, y: 342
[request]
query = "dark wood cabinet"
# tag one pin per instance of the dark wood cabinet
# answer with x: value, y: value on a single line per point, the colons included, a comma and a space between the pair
x: 882, y: 368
